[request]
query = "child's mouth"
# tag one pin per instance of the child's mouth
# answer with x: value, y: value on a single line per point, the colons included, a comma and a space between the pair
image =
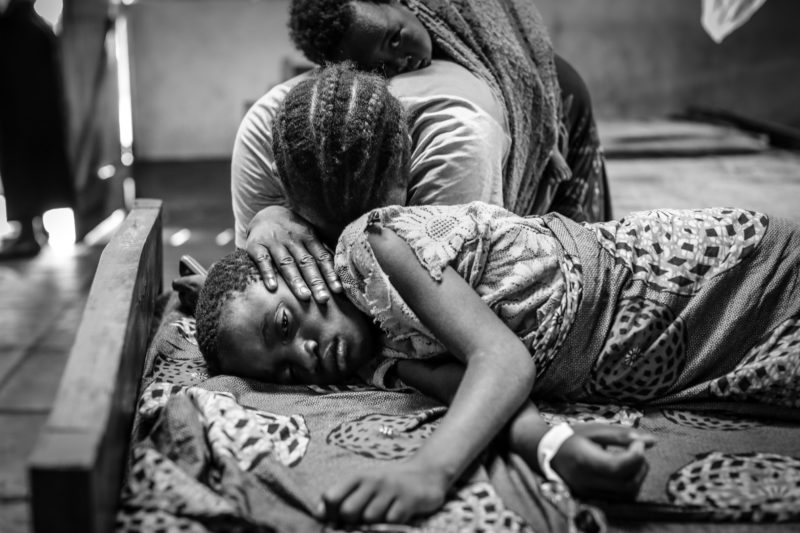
x: 341, y: 355
x: 336, y: 356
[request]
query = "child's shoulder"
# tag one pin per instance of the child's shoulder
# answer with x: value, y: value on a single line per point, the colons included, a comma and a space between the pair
x: 406, y: 218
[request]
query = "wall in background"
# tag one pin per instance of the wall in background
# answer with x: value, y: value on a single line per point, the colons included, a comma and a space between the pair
x: 197, y: 63
x: 645, y: 58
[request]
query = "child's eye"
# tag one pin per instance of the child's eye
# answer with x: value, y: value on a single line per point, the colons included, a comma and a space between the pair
x: 284, y: 324
x: 397, y: 38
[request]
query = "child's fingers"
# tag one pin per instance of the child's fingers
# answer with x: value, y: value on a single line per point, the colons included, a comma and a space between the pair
x: 617, y: 474
x: 398, y: 513
x: 332, y: 499
x: 352, y: 507
x: 378, y: 508
x: 608, y: 435
x: 637, y: 447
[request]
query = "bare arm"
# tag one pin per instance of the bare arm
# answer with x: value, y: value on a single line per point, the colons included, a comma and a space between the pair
x: 498, y: 378
x: 586, y: 461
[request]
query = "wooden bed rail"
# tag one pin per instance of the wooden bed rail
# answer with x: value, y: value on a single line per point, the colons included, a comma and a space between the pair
x: 78, y: 462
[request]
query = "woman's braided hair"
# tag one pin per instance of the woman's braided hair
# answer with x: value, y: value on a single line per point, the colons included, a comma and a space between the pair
x: 228, y: 277
x: 341, y: 143
x: 317, y: 27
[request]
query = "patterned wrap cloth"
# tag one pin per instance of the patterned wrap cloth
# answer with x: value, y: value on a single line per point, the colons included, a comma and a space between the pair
x: 658, y: 307
x: 683, y: 305
x: 515, y: 264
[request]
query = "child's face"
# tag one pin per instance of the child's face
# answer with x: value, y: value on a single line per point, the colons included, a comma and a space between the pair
x: 274, y: 337
x: 386, y: 37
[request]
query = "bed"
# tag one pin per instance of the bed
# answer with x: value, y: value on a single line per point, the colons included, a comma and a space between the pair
x: 141, y: 438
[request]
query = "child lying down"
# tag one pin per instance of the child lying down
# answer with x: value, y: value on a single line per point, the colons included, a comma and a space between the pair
x: 487, y: 310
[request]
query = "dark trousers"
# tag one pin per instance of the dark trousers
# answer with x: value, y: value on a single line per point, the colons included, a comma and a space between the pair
x: 585, y: 196
x: 33, y: 154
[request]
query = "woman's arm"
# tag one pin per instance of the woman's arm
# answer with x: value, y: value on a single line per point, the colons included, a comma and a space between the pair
x: 498, y: 378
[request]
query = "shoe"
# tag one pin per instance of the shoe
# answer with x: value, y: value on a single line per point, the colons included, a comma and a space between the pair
x: 19, y: 248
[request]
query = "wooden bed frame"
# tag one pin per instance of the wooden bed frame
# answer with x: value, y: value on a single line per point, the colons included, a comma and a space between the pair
x: 78, y: 463
x: 77, y: 466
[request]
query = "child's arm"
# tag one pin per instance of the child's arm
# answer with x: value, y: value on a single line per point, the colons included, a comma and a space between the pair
x: 583, y: 461
x: 498, y: 378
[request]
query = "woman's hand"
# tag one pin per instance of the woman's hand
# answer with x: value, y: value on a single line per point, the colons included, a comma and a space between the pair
x: 277, y: 236
x: 394, y: 493
x: 591, y: 469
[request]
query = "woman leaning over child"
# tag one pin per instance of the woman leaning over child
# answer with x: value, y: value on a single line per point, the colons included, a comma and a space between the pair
x: 485, y: 309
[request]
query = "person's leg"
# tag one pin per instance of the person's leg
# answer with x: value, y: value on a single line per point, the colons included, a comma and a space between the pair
x: 33, y: 157
x: 588, y: 188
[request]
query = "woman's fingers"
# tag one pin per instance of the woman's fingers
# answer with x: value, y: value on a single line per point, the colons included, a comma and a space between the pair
x: 300, y: 271
x: 325, y: 261
x: 280, y: 240
x: 260, y: 254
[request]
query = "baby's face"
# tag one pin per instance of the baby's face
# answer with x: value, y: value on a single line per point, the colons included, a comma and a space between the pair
x: 386, y: 37
x: 274, y: 337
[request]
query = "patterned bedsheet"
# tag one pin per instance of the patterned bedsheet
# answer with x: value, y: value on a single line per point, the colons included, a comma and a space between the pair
x: 227, y: 454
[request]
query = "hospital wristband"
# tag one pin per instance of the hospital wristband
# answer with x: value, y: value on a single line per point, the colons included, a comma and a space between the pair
x: 548, y: 448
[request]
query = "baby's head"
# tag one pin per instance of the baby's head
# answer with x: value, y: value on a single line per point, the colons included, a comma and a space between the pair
x: 247, y: 331
x: 378, y: 35
x: 341, y: 147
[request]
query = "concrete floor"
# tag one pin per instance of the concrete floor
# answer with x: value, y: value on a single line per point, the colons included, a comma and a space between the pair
x: 42, y: 298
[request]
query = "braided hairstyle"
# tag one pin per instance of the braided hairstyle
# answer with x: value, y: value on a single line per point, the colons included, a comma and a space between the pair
x: 341, y: 144
x: 227, y: 278
x: 318, y: 26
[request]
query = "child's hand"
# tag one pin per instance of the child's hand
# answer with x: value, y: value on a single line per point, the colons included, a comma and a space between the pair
x: 395, y: 493
x: 591, y: 470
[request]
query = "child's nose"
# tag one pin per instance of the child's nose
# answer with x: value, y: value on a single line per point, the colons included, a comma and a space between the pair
x: 310, y: 356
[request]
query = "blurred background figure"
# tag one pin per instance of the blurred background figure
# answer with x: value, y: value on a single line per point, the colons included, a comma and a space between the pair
x: 721, y: 17
x: 34, y: 167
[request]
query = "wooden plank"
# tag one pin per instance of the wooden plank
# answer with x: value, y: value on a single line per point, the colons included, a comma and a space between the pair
x: 675, y: 138
x: 766, y: 182
x: 77, y: 465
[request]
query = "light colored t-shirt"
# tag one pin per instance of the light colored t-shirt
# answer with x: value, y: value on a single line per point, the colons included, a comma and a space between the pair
x: 459, y: 132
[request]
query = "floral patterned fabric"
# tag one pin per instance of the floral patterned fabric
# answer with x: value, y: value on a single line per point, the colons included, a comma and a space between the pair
x: 515, y: 264
x: 679, y: 305
x: 695, y: 305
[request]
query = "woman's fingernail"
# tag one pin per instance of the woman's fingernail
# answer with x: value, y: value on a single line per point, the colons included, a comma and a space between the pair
x: 321, y: 509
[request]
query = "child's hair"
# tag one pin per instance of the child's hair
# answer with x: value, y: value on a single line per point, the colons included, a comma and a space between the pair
x: 227, y: 278
x: 341, y: 143
x: 318, y: 26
